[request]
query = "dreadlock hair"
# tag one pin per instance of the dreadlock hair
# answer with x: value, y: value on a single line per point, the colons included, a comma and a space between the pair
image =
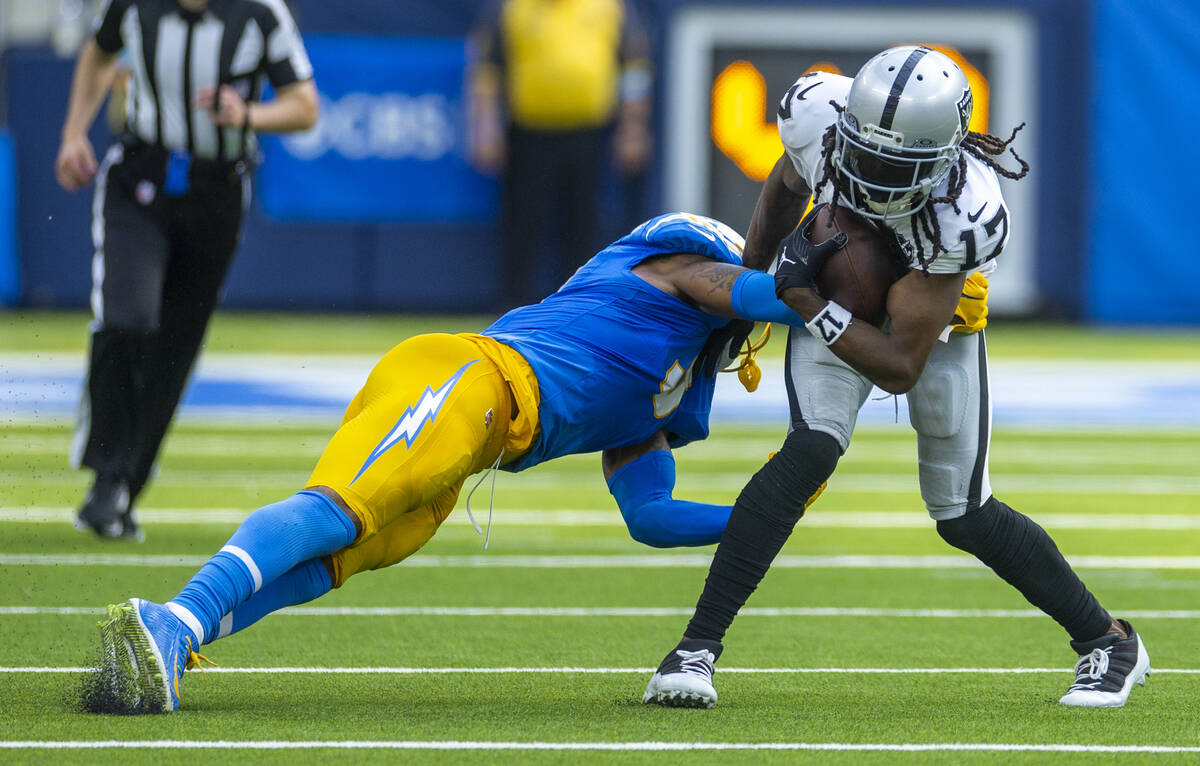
x: 925, y: 227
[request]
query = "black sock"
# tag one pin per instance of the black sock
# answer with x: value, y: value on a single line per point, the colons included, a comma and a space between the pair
x: 1023, y: 554
x: 762, y: 519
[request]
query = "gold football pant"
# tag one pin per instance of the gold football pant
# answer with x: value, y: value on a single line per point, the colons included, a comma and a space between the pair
x: 434, y: 410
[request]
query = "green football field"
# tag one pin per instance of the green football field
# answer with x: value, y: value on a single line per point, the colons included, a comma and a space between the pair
x: 870, y: 641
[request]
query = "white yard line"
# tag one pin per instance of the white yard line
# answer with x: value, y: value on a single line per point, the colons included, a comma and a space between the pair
x: 341, y: 744
x: 717, y: 449
x: 637, y: 561
x: 45, y: 515
x: 628, y: 611
x: 412, y: 671
x: 729, y: 481
x: 906, y: 519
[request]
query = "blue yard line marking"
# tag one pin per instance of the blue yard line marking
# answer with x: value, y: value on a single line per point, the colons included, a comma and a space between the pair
x: 1024, y: 394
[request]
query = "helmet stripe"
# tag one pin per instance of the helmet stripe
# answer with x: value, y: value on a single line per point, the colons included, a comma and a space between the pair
x: 893, y: 99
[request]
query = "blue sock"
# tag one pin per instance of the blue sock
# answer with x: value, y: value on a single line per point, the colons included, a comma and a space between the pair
x: 269, y: 543
x: 299, y: 585
x: 643, y: 492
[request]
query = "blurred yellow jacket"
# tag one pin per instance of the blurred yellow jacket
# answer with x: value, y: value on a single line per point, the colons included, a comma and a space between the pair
x: 560, y: 62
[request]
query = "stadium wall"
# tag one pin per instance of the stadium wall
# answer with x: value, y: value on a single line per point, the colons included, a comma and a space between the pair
x: 380, y: 259
x: 1146, y: 89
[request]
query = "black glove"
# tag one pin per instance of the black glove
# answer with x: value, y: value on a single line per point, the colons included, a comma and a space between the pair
x: 800, y: 261
x: 722, y: 346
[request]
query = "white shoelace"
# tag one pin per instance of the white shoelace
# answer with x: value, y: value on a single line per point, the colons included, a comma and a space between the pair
x: 491, y: 501
x: 697, y: 663
x: 1092, y: 665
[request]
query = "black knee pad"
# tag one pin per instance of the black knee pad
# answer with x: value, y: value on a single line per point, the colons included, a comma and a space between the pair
x: 784, y: 486
x: 971, y: 531
x: 998, y: 535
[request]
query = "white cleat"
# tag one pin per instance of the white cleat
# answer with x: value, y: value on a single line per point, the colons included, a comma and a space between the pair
x: 684, y: 677
x: 1108, y: 668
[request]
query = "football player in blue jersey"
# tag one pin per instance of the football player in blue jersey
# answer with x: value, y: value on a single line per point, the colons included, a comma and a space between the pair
x: 611, y: 362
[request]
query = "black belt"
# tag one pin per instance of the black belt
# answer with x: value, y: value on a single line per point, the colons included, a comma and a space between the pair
x: 160, y: 165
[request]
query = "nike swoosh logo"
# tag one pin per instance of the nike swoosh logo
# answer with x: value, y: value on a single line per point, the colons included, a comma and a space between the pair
x: 973, y: 217
x: 800, y: 95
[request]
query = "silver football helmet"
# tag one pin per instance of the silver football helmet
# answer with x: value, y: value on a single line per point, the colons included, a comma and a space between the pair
x: 905, y: 117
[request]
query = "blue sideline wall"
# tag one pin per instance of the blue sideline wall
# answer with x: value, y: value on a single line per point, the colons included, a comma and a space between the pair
x: 452, y: 266
x: 1144, y: 264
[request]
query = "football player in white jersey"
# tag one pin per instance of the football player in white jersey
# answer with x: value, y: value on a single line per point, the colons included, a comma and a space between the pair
x: 893, y: 144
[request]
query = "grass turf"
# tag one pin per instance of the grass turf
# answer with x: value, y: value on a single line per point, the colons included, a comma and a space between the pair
x: 252, y: 332
x: 213, y: 466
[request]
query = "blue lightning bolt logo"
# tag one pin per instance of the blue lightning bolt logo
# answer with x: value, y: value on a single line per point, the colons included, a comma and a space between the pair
x: 414, y: 418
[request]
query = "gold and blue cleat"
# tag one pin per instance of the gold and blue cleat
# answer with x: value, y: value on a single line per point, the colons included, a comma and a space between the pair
x: 145, y: 651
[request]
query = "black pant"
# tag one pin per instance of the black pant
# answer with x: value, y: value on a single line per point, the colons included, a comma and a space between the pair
x: 158, y: 267
x: 550, y: 189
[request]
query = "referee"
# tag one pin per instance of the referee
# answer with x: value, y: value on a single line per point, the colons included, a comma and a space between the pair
x: 169, y: 200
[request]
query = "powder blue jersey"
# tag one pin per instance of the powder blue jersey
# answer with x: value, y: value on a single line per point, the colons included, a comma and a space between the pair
x: 613, y: 354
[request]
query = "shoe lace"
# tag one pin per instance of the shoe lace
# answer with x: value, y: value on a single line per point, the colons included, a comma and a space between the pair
x: 194, y: 658
x: 698, y: 663
x: 1092, y: 665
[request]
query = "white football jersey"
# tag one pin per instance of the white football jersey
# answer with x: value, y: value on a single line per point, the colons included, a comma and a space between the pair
x: 972, y: 237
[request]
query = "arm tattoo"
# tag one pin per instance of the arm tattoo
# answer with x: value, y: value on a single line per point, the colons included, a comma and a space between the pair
x: 720, y: 276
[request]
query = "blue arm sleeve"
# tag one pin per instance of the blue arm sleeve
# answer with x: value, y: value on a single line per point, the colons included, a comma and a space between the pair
x: 753, y: 297
x: 643, y: 492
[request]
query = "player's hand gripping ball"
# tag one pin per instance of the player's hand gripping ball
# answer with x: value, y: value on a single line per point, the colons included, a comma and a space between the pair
x: 849, y: 261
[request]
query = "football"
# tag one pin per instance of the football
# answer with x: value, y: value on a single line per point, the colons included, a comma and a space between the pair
x: 858, y: 276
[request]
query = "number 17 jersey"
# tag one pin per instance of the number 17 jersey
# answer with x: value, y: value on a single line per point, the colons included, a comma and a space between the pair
x: 973, y: 236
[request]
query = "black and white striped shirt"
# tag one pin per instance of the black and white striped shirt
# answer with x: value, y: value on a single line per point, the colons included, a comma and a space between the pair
x: 174, y: 52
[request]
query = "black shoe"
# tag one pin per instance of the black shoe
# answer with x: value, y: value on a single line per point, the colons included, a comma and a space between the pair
x: 1108, y: 668
x: 129, y: 527
x: 684, y: 677
x: 105, y: 507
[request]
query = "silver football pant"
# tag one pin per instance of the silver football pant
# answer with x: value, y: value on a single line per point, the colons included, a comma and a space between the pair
x: 949, y: 407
